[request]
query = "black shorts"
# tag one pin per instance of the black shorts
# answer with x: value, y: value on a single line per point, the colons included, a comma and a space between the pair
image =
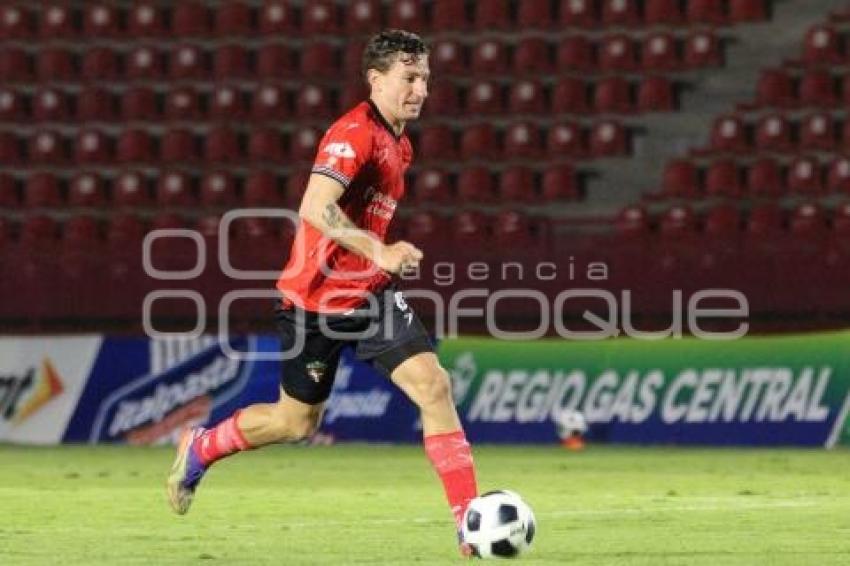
x: 384, y: 331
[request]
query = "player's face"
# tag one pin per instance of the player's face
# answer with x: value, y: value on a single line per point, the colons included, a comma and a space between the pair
x: 404, y: 87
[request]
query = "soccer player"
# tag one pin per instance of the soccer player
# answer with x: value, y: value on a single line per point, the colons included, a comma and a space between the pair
x: 337, y: 288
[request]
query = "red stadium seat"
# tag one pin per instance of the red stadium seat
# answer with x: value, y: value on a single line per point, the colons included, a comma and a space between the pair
x: 723, y: 220
x: 56, y: 21
x: 269, y: 103
x: 838, y: 176
x: 817, y: 132
x: 512, y: 230
x: 531, y: 56
x: 578, y: 13
x: 443, y: 99
x: 178, y: 146
x: 319, y: 17
x: 227, y: 103
x: 277, y: 17
x: 42, y: 190
x: 436, y: 142
x: 576, y: 53
x: 231, y: 62
x: 9, y: 191
x: 723, y: 179
x: 233, y: 18
x: 620, y: 13
x: 101, y: 20
x: 50, y: 105
x: 613, y: 95
x: 706, y: 12
x: 702, y: 50
x: 144, y: 63
x: 100, y: 63
x: 139, y: 103
x: 479, y: 141
x: 135, y: 146
x: 432, y: 186
x: 488, y: 57
x: 559, y: 182
x: 363, y: 16
x: 656, y: 94
x: 821, y: 46
x: 775, y: 88
x: 617, y: 53
x: 265, y: 145
x: 764, y: 178
x: 450, y: 15
x: 11, y: 106
x: 493, y: 15
x: 218, y: 189
x: 187, y: 62
x: 469, y: 229
x: 87, y: 189
x: 516, y: 184
x: 15, y: 23
x: 92, y: 147
x: 96, y: 104
x: 447, y: 58
x: 728, y: 134
x: 662, y: 12
x: 304, y: 144
x: 427, y: 230
x: 47, y: 147
x: 534, y: 14
x: 484, y: 97
x: 659, y: 53
x: 817, y: 88
x: 608, y: 139
x: 313, y: 101
x: 55, y: 64
x: 527, y: 97
x: 319, y: 59
x: 145, y: 20
x: 10, y: 149
x: 189, y: 19
x: 221, y: 145
x: 522, y: 139
x: 681, y: 179
x: 261, y: 189
x: 773, y: 133
x: 570, y: 96
x: 131, y: 189
x: 294, y: 189
x: 677, y: 222
x: 747, y: 11
x: 808, y: 221
x: 632, y: 222
x: 352, y: 60
x: 475, y: 185
x: 804, y: 176
x: 81, y: 232
x: 39, y: 230
x: 407, y: 14
x: 15, y: 65
x: 175, y: 189
x: 565, y: 140
x: 183, y: 103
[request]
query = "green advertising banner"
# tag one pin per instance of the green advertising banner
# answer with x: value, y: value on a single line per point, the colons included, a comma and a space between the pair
x: 775, y: 390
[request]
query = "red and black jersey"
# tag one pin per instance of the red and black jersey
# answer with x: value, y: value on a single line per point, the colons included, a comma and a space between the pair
x: 362, y: 152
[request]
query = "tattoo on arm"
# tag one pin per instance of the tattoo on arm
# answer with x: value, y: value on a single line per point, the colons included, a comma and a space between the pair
x: 334, y: 218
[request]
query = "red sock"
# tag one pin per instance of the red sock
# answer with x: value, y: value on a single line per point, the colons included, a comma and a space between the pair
x: 452, y: 459
x: 221, y: 441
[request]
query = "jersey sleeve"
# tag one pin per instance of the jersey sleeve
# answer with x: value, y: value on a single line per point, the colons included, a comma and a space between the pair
x: 343, y: 151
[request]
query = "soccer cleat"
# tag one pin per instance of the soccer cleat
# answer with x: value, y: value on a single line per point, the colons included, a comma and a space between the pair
x: 466, y: 549
x: 186, y: 472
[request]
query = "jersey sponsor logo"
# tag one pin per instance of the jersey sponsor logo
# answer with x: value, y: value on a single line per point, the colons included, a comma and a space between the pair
x: 23, y: 395
x: 316, y: 370
x: 340, y: 149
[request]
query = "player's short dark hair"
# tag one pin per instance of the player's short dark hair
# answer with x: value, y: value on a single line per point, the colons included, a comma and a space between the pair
x: 386, y: 47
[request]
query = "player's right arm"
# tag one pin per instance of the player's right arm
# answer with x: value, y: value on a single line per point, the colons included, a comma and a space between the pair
x: 320, y: 208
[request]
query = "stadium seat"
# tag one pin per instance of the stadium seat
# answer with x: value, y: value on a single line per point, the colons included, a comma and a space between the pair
x: 617, y: 53
x: 681, y: 179
x: 355, y: 93
x: 231, y: 61
x: 620, y: 13
x: 56, y: 21
x: 475, y: 185
x: 15, y: 23
x: 764, y: 178
x: 274, y: 61
x: 145, y: 19
x: 702, y: 50
x: 15, y: 65
x: 443, y: 99
x: 632, y: 223
x: 55, y: 64
x: 775, y: 88
x: 578, y: 13
x: 174, y: 188
x: 125, y: 231
x: 808, y: 221
x: 221, y: 145
x: 432, y: 186
x: 187, y: 62
x: 469, y: 228
x: 817, y: 132
x: 407, y: 14
x: 261, y: 190
x: 190, y: 19
x: 50, y: 105
x: 531, y: 56
x: 516, y: 184
x: 492, y: 15
x: 729, y: 134
x: 677, y: 223
x: 42, y: 190
x: 448, y: 58
x: 183, y: 104
x: 87, y: 189
x: 92, y: 147
x: 534, y: 14
x: 47, y: 147
x: 81, y: 233
x: 522, y: 139
x: 722, y: 221
x: 269, y: 103
x: 10, y: 149
x: 741, y: 11
x: 821, y: 46
x: 144, y: 63
x: 296, y: 183
x: 38, y: 230
x: 233, y: 19
x: 817, y: 89
x: 319, y: 17
x: 527, y: 97
x: 131, y: 189
x: 656, y: 94
x: 841, y: 223
x: 227, y: 104
x: 512, y: 230
x: 613, y: 95
x: 363, y: 16
x: 314, y: 101
x: 303, y: 144
x: 277, y: 17
x: 139, y: 104
x: 608, y: 139
x: 484, y: 97
x: 658, y: 53
x: 838, y: 175
x: 570, y: 96
x: 319, y: 59
x: 662, y: 12
x: 218, y: 188
x: 101, y: 20
x: 706, y: 12
x: 804, y: 176
x: 773, y: 133
x: 11, y: 105
x: 265, y: 145
x: 95, y: 104
x: 576, y: 53
x: 565, y: 139
x: 9, y: 192
x: 450, y: 15
x: 723, y: 179
x: 100, y: 63
x: 559, y: 182
x: 436, y: 142
x: 178, y: 146
x: 135, y: 146
x: 479, y: 141
x: 427, y: 230
x: 489, y: 57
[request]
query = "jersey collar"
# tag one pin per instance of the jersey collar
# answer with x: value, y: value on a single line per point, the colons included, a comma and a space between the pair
x: 383, y: 121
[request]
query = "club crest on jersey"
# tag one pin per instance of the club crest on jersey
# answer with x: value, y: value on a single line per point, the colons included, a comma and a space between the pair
x: 340, y: 149
x: 316, y: 370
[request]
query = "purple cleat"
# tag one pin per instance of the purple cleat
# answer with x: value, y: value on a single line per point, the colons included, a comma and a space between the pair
x: 186, y: 472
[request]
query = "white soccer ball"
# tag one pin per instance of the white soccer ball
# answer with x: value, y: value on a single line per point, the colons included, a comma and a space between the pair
x: 498, y: 523
x: 570, y: 423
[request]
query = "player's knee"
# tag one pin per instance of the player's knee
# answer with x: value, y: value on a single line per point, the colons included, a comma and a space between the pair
x: 436, y: 389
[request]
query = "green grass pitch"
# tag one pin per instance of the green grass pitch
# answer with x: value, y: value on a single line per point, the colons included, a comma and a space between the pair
x: 360, y: 504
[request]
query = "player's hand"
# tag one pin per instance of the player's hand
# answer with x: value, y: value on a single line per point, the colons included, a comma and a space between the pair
x: 399, y: 257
